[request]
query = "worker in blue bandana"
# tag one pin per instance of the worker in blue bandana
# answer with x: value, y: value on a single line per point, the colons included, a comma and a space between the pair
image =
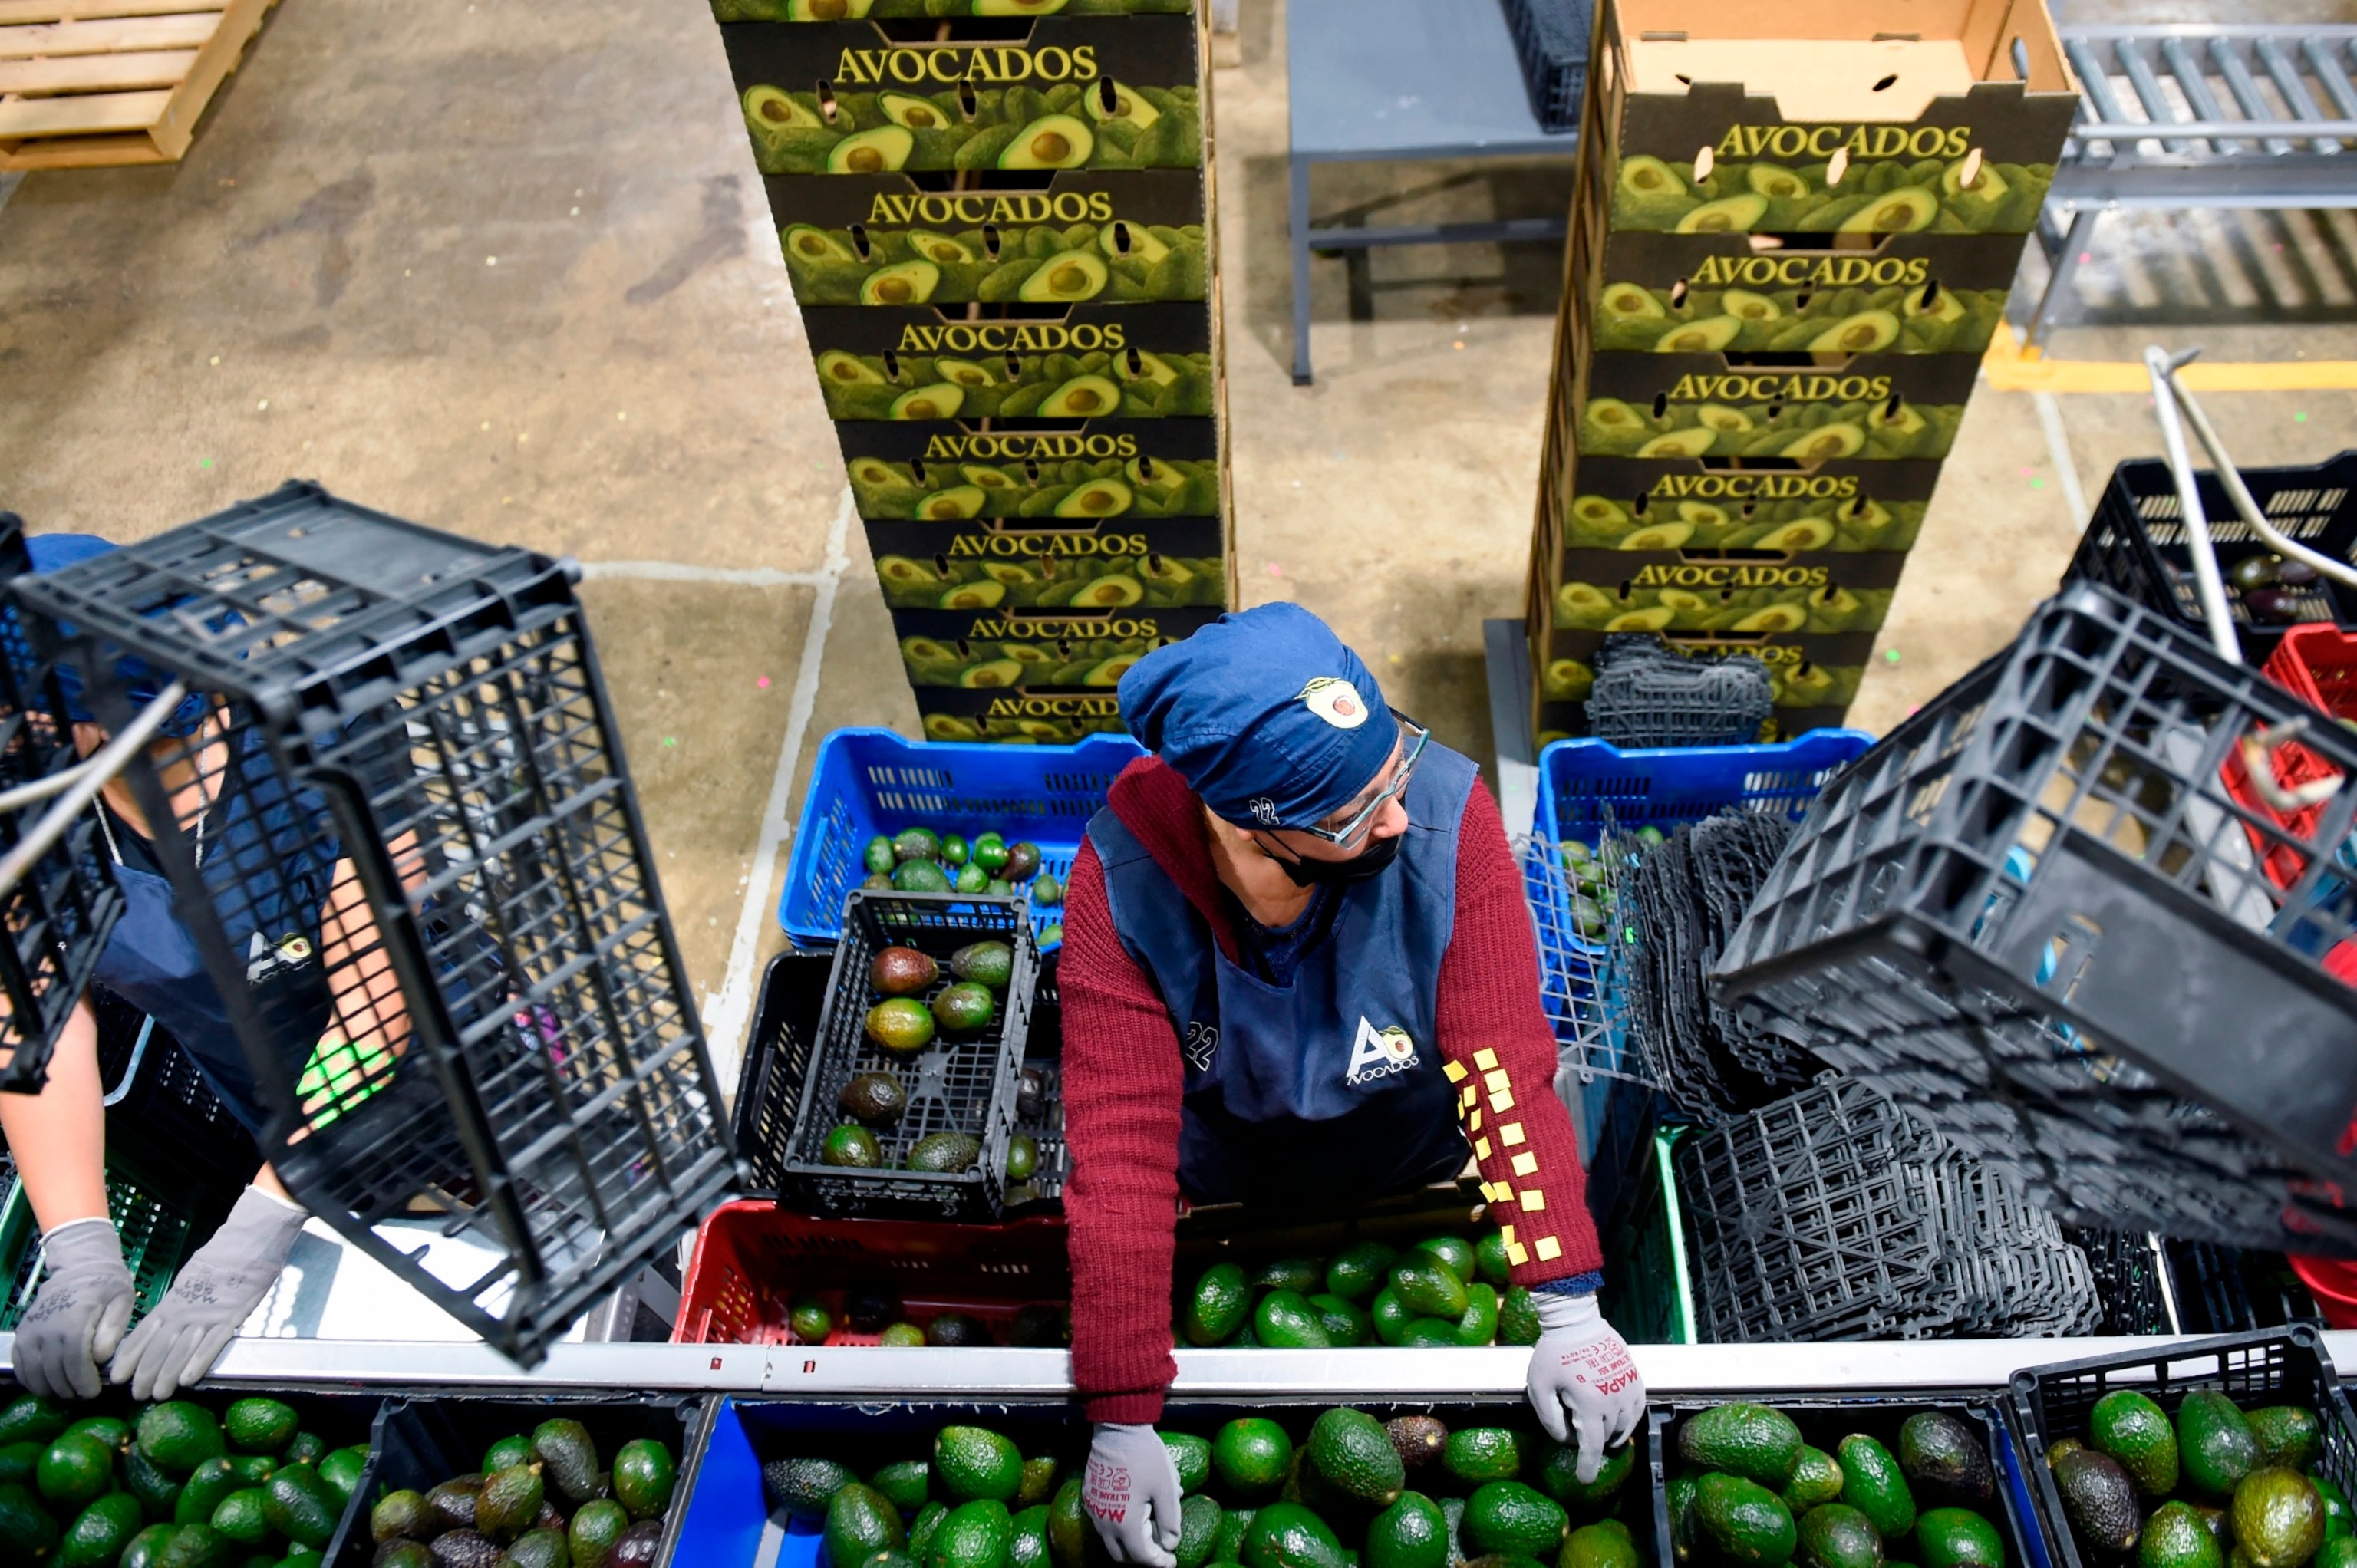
x: 233, y: 806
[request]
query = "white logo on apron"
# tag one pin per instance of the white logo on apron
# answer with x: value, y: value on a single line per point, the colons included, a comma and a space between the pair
x: 1378, y: 1053
x: 1202, y: 1040
x: 1336, y: 702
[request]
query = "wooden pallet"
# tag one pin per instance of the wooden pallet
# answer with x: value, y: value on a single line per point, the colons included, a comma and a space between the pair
x: 97, y: 83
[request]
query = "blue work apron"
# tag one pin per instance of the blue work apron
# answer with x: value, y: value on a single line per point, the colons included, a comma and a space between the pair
x: 1329, y: 1090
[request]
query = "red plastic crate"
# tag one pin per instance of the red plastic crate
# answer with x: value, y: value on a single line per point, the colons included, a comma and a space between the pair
x: 753, y: 1258
x: 2317, y: 663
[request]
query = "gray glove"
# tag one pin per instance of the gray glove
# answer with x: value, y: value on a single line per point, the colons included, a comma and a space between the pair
x: 1132, y: 1492
x: 214, y: 1292
x: 77, y: 1319
x: 1583, y: 1383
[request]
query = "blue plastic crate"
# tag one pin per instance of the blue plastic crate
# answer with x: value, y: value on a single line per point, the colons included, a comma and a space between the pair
x: 870, y: 781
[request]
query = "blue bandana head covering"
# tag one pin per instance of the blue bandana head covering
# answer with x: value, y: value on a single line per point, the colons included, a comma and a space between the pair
x: 54, y: 551
x: 1265, y: 714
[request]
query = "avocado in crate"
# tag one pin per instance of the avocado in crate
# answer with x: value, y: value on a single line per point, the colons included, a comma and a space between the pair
x: 1444, y: 1289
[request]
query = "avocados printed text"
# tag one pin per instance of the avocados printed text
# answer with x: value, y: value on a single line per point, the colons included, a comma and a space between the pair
x: 1050, y: 581
x: 1022, y: 719
x: 1039, y: 263
x: 1817, y: 606
x: 977, y: 663
x: 1803, y: 432
x: 1851, y: 523
x: 1100, y: 124
x: 884, y: 10
x: 1130, y: 383
x: 1035, y: 485
x: 1920, y: 318
x: 1963, y: 194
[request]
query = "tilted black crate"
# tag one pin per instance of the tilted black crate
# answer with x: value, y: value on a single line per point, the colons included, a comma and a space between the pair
x: 954, y: 1084
x: 2135, y: 543
x: 2044, y: 913
x: 1551, y: 38
x: 2274, y: 1366
x: 461, y: 985
x: 58, y: 916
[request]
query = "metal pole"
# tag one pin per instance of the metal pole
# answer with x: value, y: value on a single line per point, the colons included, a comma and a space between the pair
x: 2162, y: 366
x: 2245, y: 507
x: 89, y: 778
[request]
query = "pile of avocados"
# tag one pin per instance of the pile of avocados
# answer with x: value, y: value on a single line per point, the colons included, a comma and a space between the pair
x: 1854, y: 523
x: 539, y: 1501
x: 1257, y: 1493
x: 1750, y: 1490
x: 174, y: 1486
x: 1790, y: 609
x: 919, y: 860
x: 2215, y: 1485
x: 1041, y: 264
x: 1445, y: 1289
x: 1131, y: 384
x: 1076, y: 487
x: 1803, y: 432
x: 812, y: 1315
x: 854, y: 10
x: 1105, y: 124
x: 1844, y: 321
x: 1053, y: 582
x: 1969, y: 195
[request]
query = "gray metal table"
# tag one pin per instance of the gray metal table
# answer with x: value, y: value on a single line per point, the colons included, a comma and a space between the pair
x: 2199, y: 116
x: 1394, y: 82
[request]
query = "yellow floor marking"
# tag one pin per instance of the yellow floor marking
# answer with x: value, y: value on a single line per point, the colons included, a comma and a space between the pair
x: 2010, y: 367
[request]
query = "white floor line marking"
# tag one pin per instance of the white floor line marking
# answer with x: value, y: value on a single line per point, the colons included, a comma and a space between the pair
x: 8, y: 184
x: 2058, y: 447
x: 725, y: 1014
x: 679, y: 572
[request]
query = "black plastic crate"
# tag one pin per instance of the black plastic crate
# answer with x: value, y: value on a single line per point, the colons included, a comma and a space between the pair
x: 162, y: 1117
x: 410, y: 731
x: 2282, y: 1366
x: 58, y: 916
x: 2049, y: 913
x: 417, y: 1443
x: 2127, y: 1274
x: 1552, y: 37
x: 2135, y: 543
x: 954, y: 1085
x: 1824, y: 1422
x: 1647, y: 695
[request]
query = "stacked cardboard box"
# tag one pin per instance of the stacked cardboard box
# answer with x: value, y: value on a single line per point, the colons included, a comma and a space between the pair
x: 1792, y: 235
x: 996, y: 215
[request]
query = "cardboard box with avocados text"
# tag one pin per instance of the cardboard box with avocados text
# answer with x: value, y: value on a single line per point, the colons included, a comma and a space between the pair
x: 878, y: 97
x: 1015, y: 716
x: 1014, y: 564
x: 1704, y: 504
x: 1082, y: 361
x: 1875, y: 406
x: 1053, y: 650
x: 947, y: 471
x: 1068, y: 239
x: 1812, y: 678
x: 857, y: 10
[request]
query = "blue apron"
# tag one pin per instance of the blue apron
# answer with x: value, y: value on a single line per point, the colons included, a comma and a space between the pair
x: 152, y: 962
x: 1329, y: 1090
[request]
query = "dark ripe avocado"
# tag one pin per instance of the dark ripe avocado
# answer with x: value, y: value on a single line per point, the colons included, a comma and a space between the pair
x: 965, y: 1008
x: 465, y: 1549
x: 1957, y: 1538
x: 2286, y: 1436
x: 1416, y: 1439
x: 538, y: 1549
x: 867, y: 1311
x: 2099, y: 1499
x: 2133, y: 1430
x: 1030, y: 1094
x: 851, y: 1147
x: 568, y: 1459
x: 639, y: 1546
x: 1942, y: 1456
x: 1039, y: 1327
x: 402, y: 1515
x: 1022, y: 862
x: 875, y: 1098
x: 986, y: 964
x: 945, y: 1152
x: 1743, y: 1522
x: 2177, y: 1536
x: 901, y: 971
x: 509, y: 1502
x: 2278, y: 1517
x: 395, y: 1554
x: 955, y: 1330
x: 901, y: 1025
x: 1835, y: 1536
x: 2214, y: 1447
x: 452, y: 1502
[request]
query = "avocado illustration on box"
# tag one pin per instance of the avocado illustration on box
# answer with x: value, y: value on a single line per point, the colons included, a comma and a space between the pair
x: 1820, y: 607
x: 1017, y: 717
x: 917, y: 363
x: 1701, y: 405
x: 1085, y: 651
x: 1966, y: 194
x: 946, y: 472
x: 1856, y: 522
x: 986, y: 563
x: 857, y: 10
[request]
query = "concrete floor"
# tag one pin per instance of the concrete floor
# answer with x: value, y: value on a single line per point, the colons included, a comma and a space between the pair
x: 517, y: 281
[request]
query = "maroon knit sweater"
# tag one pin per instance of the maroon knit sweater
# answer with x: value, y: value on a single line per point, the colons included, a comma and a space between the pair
x: 1124, y: 1077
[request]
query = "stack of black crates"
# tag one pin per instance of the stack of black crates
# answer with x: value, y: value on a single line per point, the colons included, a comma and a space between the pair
x: 997, y: 219
x: 1792, y: 237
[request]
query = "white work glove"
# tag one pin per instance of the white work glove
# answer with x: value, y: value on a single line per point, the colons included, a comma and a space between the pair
x: 1132, y: 1492
x: 1583, y: 1383
x: 214, y: 1293
x: 76, y: 1321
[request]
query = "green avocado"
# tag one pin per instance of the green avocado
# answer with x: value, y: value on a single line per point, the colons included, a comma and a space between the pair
x: 1730, y: 214
x: 1873, y: 1484
x: 2278, y: 1518
x: 1743, y: 1522
x: 2133, y: 1430
x: 1901, y: 212
x: 971, y: 1462
x: 1411, y: 1534
x: 1867, y: 332
x: 916, y: 114
x: 2214, y: 1445
x: 2286, y: 1434
x: 1752, y: 1441
x: 2177, y: 1536
x: 1509, y: 1517
x: 880, y: 151
x: 1957, y: 1538
x: 1837, y: 1536
x: 1704, y: 337
x: 1351, y: 1454
x: 1052, y: 141
x: 904, y: 282
x: 1816, y: 1478
x: 1065, y: 276
x: 939, y: 401
x: 1083, y: 397
x: 1111, y: 103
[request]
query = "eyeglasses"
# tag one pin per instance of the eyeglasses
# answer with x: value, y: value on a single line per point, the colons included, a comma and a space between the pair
x: 1347, y: 833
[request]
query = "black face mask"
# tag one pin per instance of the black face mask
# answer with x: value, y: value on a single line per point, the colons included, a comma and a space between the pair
x: 1367, y: 863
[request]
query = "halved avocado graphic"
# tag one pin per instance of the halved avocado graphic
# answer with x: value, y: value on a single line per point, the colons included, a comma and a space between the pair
x: 1834, y: 609
x: 1842, y: 439
x: 1866, y: 518
x: 768, y: 109
x: 1631, y: 302
x: 1109, y: 100
x: 1014, y: 574
x: 1691, y: 442
x: 940, y: 248
x: 1704, y: 337
x: 1566, y: 680
x: 1682, y: 600
x: 826, y: 10
x: 1082, y: 397
x: 1944, y: 304
x: 1098, y: 498
x: 939, y: 401
x: 983, y: 477
x: 1137, y: 365
x: 950, y: 727
x: 903, y: 283
x: 965, y: 373
x: 1774, y: 618
x: 1154, y: 479
x: 1801, y: 533
x: 805, y: 243
x: 1720, y: 417
x: 1118, y: 239
x: 1110, y: 671
x: 1040, y: 730
x: 1108, y: 593
x: 1805, y: 686
x: 1746, y: 306
x: 1656, y: 618
x: 995, y: 672
x: 1864, y: 333
x: 1727, y: 215
x: 1907, y: 422
x: 1988, y: 187
x: 1649, y: 178
x: 947, y: 505
x: 837, y: 369
x: 1027, y: 653
x: 1900, y: 211
x: 879, y: 151
x: 1066, y: 276
x: 1016, y: 7
x: 1597, y: 514
x: 1775, y: 182
x: 899, y: 572
x: 1702, y: 514
x: 1612, y: 415
x: 1167, y: 571
x: 1659, y: 536
x: 1052, y: 141
x: 917, y: 113
x: 982, y: 596
x: 924, y: 652
x: 1583, y: 604
x: 875, y: 473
